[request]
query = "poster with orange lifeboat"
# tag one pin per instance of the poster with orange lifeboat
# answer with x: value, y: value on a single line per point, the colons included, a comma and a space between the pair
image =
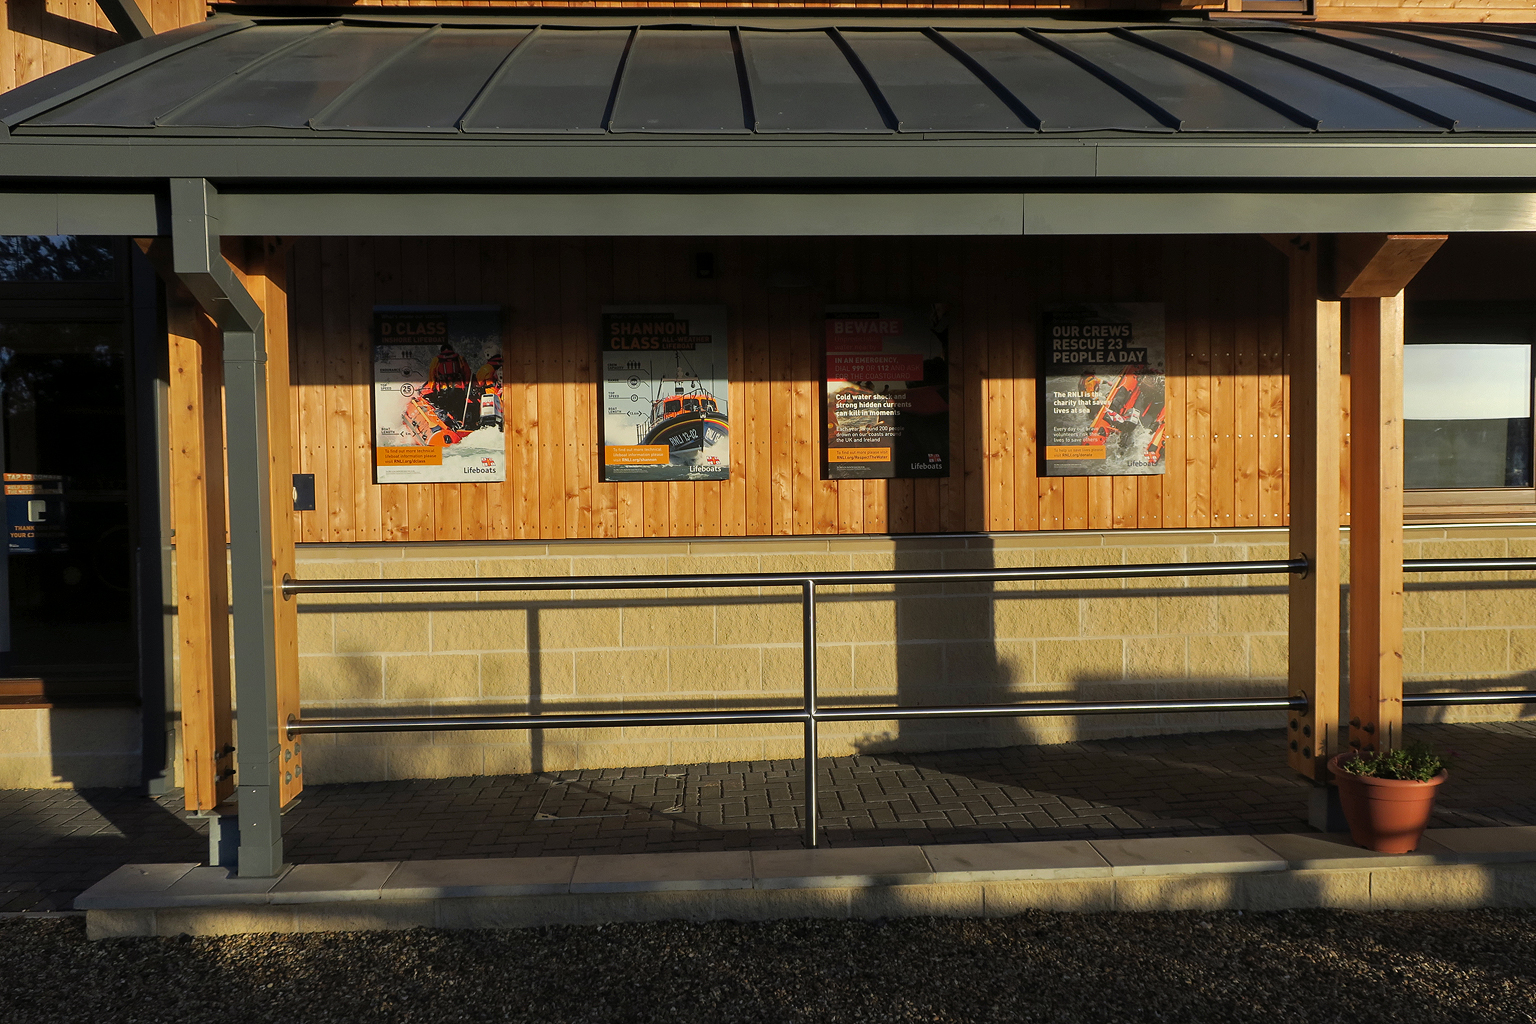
x: 437, y: 395
x: 665, y: 393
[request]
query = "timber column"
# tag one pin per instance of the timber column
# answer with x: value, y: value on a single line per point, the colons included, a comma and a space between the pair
x: 1370, y: 272
x: 1316, y: 436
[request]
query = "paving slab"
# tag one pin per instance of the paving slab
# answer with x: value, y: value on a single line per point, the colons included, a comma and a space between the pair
x: 1188, y: 855
x: 215, y: 887
x: 1324, y: 850
x: 489, y: 876
x: 1509, y: 843
x: 655, y: 872
x: 332, y: 883
x: 1002, y: 862
x: 132, y: 886
x: 840, y: 868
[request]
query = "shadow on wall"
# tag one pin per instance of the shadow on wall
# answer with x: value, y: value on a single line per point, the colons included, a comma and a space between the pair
x: 32, y: 18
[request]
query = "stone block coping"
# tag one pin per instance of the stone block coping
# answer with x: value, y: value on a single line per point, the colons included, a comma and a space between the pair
x: 1452, y: 867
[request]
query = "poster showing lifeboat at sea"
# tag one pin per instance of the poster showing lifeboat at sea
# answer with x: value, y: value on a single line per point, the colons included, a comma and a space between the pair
x: 437, y: 393
x: 666, y: 412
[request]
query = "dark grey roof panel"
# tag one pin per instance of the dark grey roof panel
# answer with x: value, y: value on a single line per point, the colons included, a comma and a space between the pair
x: 681, y: 80
x: 1515, y: 81
x: 1472, y: 111
x: 456, y: 63
x: 927, y: 88
x: 295, y: 85
x: 74, y: 80
x: 1481, y: 42
x: 1199, y: 101
x: 1336, y: 108
x: 557, y: 81
x: 138, y: 99
x: 1065, y: 97
x: 802, y: 82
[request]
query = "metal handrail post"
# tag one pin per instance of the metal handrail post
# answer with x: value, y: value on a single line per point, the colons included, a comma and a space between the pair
x: 808, y: 641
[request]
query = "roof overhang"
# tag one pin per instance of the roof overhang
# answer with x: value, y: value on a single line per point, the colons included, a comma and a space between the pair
x: 85, y: 152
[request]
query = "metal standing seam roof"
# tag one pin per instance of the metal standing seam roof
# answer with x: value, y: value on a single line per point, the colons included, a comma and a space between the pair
x: 240, y: 76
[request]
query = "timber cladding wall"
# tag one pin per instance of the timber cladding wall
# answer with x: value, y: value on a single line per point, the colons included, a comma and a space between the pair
x: 1224, y: 299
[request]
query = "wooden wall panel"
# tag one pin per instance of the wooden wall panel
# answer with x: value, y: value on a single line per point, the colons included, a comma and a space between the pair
x: 1224, y: 298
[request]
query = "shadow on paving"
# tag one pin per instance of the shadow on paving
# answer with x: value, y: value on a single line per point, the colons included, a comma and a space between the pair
x: 53, y: 844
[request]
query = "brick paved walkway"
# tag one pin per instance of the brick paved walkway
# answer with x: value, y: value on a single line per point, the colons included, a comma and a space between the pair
x: 54, y: 843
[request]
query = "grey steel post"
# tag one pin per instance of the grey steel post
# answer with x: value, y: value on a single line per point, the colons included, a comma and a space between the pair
x: 808, y: 638
x: 200, y: 265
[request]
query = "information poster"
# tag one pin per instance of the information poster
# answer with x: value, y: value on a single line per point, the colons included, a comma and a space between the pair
x: 1104, y: 390
x: 887, y: 392
x: 666, y: 410
x: 437, y: 398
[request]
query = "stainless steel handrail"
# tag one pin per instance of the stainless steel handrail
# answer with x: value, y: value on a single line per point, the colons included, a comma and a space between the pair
x: 785, y: 715
x: 470, y: 584
x: 1467, y: 564
x: 810, y: 714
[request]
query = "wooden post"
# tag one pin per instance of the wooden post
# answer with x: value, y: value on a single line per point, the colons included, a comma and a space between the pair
x: 1313, y: 340
x: 202, y: 580
x: 1376, y: 523
x: 1370, y: 272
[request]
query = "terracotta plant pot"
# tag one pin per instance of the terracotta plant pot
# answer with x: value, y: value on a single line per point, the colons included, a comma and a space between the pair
x: 1385, y: 815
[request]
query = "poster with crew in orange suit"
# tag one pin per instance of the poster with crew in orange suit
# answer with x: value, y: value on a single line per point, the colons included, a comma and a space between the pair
x: 437, y: 395
x: 1104, y: 386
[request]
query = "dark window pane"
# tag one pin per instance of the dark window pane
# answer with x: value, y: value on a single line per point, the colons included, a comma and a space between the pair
x: 1467, y: 453
x: 42, y: 259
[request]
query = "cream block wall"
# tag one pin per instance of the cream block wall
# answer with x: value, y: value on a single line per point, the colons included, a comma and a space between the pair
x: 69, y: 748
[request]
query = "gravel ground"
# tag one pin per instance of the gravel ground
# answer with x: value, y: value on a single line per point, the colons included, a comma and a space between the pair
x: 1312, y: 966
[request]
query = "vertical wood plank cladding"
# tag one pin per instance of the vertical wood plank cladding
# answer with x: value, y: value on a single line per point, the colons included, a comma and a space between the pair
x: 309, y: 352
x: 1197, y: 384
x: 1223, y: 400
x: 1245, y: 427
x: 1174, y: 256
x: 1226, y: 393
x: 369, y: 515
x: 521, y: 370
x: 1271, y: 397
x: 336, y: 290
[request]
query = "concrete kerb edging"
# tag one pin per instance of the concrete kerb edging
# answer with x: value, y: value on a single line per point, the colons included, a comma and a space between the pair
x: 1453, y: 869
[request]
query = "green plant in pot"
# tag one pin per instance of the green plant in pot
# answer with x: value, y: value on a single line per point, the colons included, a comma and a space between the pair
x: 1388, y: 795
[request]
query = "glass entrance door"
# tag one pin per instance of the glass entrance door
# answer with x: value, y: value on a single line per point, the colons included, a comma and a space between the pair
x: 65, y: 444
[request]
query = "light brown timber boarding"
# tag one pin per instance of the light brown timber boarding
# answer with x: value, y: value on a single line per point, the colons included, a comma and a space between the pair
x: 1224, y: 299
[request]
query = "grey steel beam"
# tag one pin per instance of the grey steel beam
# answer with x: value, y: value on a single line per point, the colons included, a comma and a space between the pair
x: 200, y: 265
x: 872, y: 213
x: 621, y: 214
x: 126, y: 18
x: 83, y: 213
x: 1287, y: 213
